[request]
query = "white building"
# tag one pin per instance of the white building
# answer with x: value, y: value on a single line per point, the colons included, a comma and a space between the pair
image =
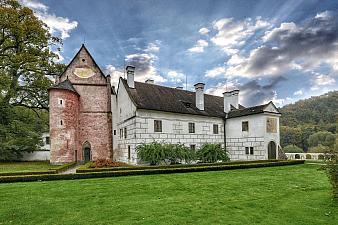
x: 146, y: 112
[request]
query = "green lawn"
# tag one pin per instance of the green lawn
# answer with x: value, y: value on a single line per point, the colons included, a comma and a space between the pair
x: 25, y: 166
x: 276, y: 195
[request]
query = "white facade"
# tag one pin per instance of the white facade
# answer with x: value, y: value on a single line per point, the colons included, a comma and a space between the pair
x: 134, y: 127
x: 256, y: 137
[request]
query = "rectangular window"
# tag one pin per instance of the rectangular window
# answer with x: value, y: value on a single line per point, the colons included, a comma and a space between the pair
x: 47, y: 140
x: 271, y: 125
x: 121, y: 133
x: 245, y: 126
x: 114, y: 132
x: 61, y: 122
x: 192, y: 147
x: 251, y: 150
x: 191, y: 127
x: 247, y: 150
x: 60, y: 101
x: 128, y: 151
x: 215, y: 128
x: 125, y: 132
x: 157, y: 125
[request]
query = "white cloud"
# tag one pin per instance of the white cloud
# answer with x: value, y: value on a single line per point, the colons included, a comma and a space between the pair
x: 299, y: 92
x: 35, y: 5
x: 232, y: 34
x: 199, y: 46
x: 220, y: 88
x: 290, y: 46
x: 204, y: 31
x: 321, y: 79
x: 60, y: 26
x: 153, y: 47
x: 145, y: 67
x: 217, y: 71
x: 115, y: 74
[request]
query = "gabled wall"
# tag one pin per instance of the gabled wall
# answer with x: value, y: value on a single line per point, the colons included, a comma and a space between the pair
x: 94, y: 110
x: 257, y: 136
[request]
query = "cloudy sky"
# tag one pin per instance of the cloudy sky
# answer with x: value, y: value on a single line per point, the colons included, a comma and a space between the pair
x: 271, y: 50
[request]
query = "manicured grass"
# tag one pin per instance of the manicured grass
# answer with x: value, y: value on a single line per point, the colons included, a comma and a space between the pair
x: 7, y: 167
x: 277, y: 195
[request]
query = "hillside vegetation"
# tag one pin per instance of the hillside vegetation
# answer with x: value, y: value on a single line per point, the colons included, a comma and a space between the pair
x: 309, y: 116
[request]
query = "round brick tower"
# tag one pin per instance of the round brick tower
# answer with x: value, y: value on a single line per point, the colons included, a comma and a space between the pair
x: 63, y: 119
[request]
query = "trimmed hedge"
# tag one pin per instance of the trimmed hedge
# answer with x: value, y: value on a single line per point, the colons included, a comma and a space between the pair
x: 86, y: 169
x: 56, y: 170
x: 203, y: 168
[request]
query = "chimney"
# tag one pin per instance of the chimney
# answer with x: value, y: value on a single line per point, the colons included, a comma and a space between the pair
x: 199, y: 87
x: 230, y: 99
x: 130, y: 76
x: 150, y: 81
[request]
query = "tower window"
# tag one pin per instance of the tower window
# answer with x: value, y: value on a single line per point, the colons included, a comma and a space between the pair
x: 114, y: 132
x: 61, y: 122
x: 61, y: 102
x: 47, y: 140
x: 83, y: 60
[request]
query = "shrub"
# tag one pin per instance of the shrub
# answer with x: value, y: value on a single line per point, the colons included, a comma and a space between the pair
x: 331, y: 159
x: 212, y: 153
x: 176, y: 153
x: 180, y: 169
x: 292, y: 149
x: 156, y: 153
x: 152, y: 153
x: 319, y: 149
x: 106, y: 163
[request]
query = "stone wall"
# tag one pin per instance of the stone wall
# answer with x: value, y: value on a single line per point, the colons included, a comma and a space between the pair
x: 140, y: 129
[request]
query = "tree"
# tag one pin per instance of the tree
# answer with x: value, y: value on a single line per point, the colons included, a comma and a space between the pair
x: 292, y: 149
x: 324, y: 138
x: 26, y: 62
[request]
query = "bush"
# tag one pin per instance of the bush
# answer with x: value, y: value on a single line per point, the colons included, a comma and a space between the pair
x: 331, y: 167
x: 148, y: 171
x: 106, y: 163
x: 153, y: 153
x: 292, y: 149
x: 156, y: 153
x: 176, y: 153
x: 319, y: 149
x: 212, y: 153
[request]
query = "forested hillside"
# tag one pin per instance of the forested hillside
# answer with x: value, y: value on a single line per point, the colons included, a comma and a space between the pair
x: 306, y: 117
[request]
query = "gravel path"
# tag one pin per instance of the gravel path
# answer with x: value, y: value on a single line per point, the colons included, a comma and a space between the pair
x: 71, y: 170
